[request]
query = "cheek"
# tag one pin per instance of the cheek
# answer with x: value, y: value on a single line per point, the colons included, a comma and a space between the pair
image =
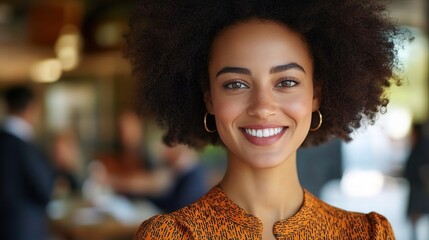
x: 226, y: 110
x: 299, y: 110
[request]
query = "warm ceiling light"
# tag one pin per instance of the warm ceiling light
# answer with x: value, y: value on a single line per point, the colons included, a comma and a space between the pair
x: 67, y: 47
x: 45, y: 71
x: 69, y: 57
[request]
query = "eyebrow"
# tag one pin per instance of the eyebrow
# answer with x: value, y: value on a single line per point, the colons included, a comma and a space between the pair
x: 286, y: 67
x: 234, y: 70
x: 276, y: 69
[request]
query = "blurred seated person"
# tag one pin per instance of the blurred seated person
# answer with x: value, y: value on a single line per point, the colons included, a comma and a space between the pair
x: 27, y: 176
x: 67, y: 155
x: 181, y: 182
x: 189, y: 181
x: 130, y: 155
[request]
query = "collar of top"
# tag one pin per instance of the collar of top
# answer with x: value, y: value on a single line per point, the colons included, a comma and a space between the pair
x: 296, y: 223
x: 18, y: 127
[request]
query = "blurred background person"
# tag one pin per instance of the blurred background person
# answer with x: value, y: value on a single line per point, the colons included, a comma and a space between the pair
x: 130, y: 154
x: 66, y: 154
x: 417, y: 174
x: 180, y: 181
x: 188, y: 182
x: 27, y: 176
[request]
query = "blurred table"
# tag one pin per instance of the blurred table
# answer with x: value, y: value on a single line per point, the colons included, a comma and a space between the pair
x: 113, y: 218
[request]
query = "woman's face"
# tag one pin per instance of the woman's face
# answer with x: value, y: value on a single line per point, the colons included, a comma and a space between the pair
x: 261, y: 92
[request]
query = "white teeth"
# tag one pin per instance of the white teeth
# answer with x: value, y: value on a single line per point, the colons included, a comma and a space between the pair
x: 266, y: 132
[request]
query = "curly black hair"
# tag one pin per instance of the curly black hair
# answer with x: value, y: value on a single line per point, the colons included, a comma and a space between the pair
x: 351, y: 41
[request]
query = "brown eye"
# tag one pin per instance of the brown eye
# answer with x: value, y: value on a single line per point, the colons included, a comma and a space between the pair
x: 235, y: 85
x: 287, y: 83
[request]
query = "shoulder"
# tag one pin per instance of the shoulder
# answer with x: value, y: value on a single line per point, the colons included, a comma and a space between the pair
x: 365, y: 226
x: 5, y: 136
x: 185, y: 223
x: 354, y: 225
x: 380, y: 226
x: 162, y: 227
x: 10, y: 144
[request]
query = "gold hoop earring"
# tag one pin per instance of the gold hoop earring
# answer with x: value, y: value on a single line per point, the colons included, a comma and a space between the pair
x: 320, y: 122
x: 205, y: 124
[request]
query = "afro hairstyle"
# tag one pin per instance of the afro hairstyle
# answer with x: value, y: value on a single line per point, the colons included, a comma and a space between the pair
x: 352, y: 43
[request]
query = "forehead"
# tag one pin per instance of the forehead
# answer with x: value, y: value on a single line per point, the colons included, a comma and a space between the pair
x: 257, y: 38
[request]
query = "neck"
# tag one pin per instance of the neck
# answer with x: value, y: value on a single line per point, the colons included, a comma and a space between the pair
x: 271, y: 194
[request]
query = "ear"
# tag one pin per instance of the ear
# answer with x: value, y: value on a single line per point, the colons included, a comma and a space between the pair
x: 317, y: 93
x: 208, y: 101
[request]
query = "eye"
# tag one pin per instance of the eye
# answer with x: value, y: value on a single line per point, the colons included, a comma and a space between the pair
x: 235, y: 84
x: 288, y: 83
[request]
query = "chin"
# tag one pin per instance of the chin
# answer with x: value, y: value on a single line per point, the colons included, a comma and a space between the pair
x: 267, y: 162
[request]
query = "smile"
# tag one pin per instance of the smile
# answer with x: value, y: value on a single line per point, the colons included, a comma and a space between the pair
x: 263, y: 133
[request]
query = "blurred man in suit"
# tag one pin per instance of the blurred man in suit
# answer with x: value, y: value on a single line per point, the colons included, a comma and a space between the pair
x: 26, y: 175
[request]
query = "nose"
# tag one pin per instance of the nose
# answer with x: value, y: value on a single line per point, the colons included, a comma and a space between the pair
x: 262, y: 104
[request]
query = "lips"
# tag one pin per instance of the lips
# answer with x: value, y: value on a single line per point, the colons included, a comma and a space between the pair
x: 263, y: 135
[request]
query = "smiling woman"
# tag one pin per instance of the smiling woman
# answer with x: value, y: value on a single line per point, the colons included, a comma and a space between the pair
x: 267, y: 73
x: 250, y: 82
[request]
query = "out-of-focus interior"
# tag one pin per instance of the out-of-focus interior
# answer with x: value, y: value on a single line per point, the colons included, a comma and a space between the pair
x: 69, y: 52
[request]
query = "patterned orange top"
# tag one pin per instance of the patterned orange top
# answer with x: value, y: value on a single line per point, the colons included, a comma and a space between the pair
x: 215, y: 216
